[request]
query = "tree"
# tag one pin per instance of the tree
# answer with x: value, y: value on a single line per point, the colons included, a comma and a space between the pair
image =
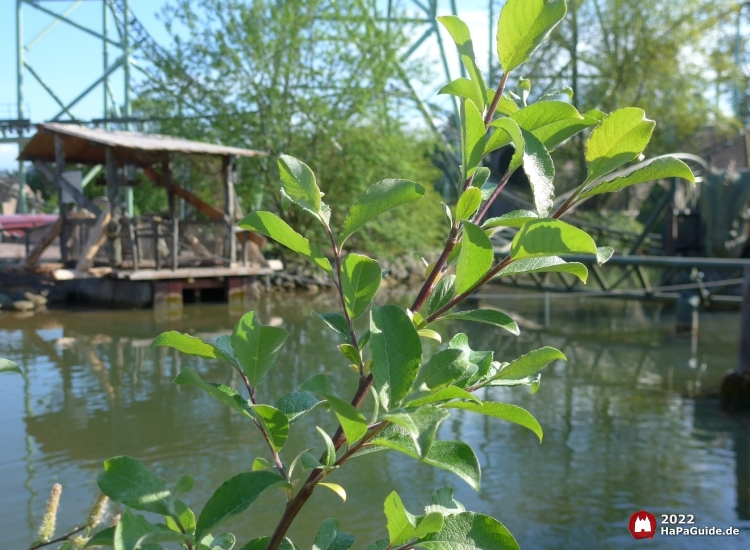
x: 304, y: 77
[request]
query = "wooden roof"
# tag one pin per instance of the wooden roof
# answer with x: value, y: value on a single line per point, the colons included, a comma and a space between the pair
x: 85, y: 145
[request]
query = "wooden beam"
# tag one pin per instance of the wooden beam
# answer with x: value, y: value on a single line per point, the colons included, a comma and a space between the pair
x: 113, y: 193
x: 229, y: 203
x: 187, y: 196
x: 52, y: 233
x: 97, y: 236
x: 196, y: 202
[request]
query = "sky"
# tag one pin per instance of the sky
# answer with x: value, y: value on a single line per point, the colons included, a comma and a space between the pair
x: 69, y: 60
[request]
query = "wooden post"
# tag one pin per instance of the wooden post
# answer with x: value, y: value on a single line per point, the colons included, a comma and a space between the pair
x: 134, y: 243
x: 229, y: 208
x: 113, y: 194
x: 167, y: 170
x: 735, y: 387
x: 59, y: 169
x: 97, y: 236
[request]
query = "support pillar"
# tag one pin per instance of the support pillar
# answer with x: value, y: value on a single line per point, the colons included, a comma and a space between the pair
x: 168, y: 299
x: 113, y: 194
x: 21, y: 206
x: 229, y: 209
x: 59, y: 171
x: 686, y: 313
x: 735, y: 388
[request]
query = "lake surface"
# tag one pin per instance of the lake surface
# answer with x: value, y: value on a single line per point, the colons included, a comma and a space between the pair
x: 627, y: 423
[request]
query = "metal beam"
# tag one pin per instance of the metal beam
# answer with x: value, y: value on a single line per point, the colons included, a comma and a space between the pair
x: 83, y: 94
x: 19, y: 96
x: 69, y: 22
x: 48, y: 89
x: 51, y: 26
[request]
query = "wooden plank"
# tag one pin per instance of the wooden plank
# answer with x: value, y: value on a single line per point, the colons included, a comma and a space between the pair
x: 191, y: 273
x: 97, y: 236
x: 52, y: 233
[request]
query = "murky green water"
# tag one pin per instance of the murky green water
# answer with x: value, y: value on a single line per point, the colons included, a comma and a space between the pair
x: 623, y: 428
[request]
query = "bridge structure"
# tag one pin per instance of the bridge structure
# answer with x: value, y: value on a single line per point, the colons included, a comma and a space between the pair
x: 128, y: 52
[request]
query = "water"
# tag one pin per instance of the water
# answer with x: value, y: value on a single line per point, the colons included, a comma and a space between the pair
x: 625, y: 425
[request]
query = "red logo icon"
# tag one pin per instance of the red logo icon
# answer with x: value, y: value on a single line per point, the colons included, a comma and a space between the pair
x: 642, y: 525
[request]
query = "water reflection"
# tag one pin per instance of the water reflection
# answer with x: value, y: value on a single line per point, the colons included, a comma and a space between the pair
x: 627, y: 424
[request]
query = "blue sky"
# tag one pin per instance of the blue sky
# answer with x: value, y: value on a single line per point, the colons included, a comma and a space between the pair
x: 70, y: 60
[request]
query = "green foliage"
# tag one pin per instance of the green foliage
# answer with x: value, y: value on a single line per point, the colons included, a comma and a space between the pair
x: 6, y: 365
x: 412, y: 394
x: 396, y: 353
x: 233, y: 497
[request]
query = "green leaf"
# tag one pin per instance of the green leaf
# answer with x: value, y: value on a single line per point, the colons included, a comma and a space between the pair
x: 261, y: 543
x: 379, y: 198
x: 360, y: 280
x: 331, y: 537
x: 516, y: 218
x: 256, y: 346
x: 224, y: 541
x: 126, y: 480
x: 465, y: 89
x: 468, y: 203
x: 134, y: 532
x: 507, y: 131
x: 505, y: 411
x: 529, y: 364
x: 597, y: 114
x: 470, y: 531
x: 184, y: 514
x: 443, y: 368
x: 233, y: 497
x: 188, y: 344
x: 352, y: 421
x: 443, y: 503
x: 275, y: 424
x: 183, y: 485
x: 338, y: 323
x: 475, y: 258
x: 552, y: 122
x: 403, y: 526
x: 429, y: 333
x: 223, y: 393
x: 481, y: 359
x: 506, y: 106
x: 487, y: 316
x: 396, y: 353
x: 621, y: 137
x: 548, y: 264
x: 548, y: 237
x: 473, y: 138
x: 453, y: 456
x: 329, y: 459
x: 381, y: 544
x: 540, y: 170
x: 442, y: 294
x: 6, y: 365
x: 105, y: 537
x: 460, y: 34
x: 603, y: 254
x: 442, y: 395
x: 351, y: 353
x: 272, y: 226
x: 298, y: 182
x: 336, y: 488
x: 296, y: 405
x: 481, y: 175
x: 261, y: 464
x: 658, y: 168
x: 523, y: 26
